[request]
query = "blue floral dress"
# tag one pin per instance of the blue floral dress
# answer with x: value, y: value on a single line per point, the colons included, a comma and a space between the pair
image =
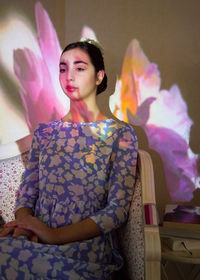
x: 75, y: 171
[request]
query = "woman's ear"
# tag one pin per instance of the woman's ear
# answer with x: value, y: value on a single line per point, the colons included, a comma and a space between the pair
x: 100, y: 76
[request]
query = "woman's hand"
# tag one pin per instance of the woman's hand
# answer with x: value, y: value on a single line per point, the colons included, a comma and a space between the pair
x: 82, y: 230
x: 17, y: 232
x: 33, y: 225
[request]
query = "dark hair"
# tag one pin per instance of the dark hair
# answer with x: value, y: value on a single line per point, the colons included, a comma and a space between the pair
x: 96, y: 59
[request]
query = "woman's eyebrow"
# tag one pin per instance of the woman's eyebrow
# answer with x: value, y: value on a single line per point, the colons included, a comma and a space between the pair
x: 63, y: 63
x: 75, y: 62
x: 80, y: 61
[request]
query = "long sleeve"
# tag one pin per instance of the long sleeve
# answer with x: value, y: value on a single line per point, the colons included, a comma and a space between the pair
x: 121, y: 181
x: 28, y: 190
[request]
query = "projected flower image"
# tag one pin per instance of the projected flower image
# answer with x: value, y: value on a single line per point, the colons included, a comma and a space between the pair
x: 162, y: 114
x: 41, y: 94
x: 138, y: 99
x: 37, y: 70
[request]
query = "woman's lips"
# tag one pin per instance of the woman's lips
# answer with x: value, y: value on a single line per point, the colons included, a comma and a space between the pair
x: 71, y: 88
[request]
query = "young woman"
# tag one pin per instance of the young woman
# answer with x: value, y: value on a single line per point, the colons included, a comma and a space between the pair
x: 77, y: 186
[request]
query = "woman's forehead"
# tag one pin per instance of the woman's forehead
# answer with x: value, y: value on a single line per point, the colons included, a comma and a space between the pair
x: 76, y: 54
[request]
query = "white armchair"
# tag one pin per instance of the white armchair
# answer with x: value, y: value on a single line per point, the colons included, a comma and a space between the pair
x: 139, y: 237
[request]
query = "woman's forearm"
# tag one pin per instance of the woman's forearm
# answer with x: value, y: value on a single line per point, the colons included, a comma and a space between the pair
x: 82, y: 230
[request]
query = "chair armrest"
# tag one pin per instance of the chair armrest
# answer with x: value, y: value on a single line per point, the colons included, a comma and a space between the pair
x: 17, y: 148
x: 11, y: 174
x: 151, y: 229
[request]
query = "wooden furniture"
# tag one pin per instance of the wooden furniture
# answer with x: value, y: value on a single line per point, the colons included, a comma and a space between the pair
x: 139, y: 240
x: 177, y: 258
x: 151, y: 231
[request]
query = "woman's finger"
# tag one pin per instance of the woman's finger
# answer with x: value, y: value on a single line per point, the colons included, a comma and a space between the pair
x: 11, y: 224
x: 20, y: 232
x: 5, y: 231
x: 33, y: 238
x: 23, y: 232
x: 22, y: 223
x: 16, y: 224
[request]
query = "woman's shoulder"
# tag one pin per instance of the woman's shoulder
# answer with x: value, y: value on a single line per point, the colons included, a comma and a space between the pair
x: 122, y: 127
x: 44, y: 129
x: 126, y: 136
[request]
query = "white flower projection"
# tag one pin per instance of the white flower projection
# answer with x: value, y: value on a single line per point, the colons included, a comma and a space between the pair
x: 162, y: 114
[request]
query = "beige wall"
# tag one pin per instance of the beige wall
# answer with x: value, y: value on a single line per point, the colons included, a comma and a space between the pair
x: 168, y: 32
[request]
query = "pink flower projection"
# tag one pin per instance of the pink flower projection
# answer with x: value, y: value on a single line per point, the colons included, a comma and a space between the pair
x: 163, y: 116
x: 42, y: 97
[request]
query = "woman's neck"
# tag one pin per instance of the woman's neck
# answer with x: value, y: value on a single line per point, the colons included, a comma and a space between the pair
x: 79, y: 112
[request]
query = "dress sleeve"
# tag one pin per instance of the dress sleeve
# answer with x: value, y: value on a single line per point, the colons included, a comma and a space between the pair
x: 28, y: 190
x: 121, y: 182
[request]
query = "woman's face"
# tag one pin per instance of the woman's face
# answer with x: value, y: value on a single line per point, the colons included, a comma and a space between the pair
x: 77, y: 76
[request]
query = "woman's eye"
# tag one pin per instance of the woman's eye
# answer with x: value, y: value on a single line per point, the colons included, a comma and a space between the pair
x: 62, y: 70
x: 80, y: 69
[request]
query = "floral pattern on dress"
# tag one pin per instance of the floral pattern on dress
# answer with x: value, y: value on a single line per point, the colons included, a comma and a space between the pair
x: 75, y: 171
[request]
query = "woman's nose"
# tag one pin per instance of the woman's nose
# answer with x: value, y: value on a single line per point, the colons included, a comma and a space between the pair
x: 70, y: 75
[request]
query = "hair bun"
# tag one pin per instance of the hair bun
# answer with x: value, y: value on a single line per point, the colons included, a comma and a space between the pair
x: 92, y: 42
